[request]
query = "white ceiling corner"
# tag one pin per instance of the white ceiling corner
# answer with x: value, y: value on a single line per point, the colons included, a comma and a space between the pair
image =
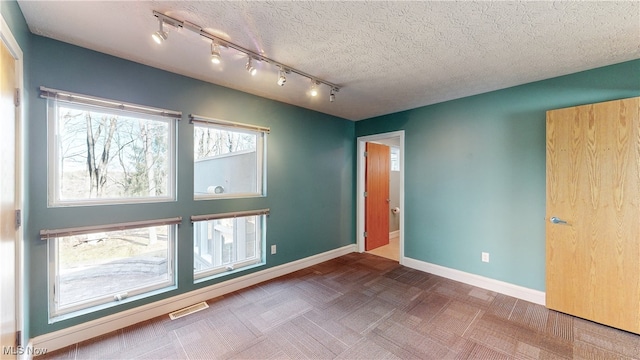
x: 388, y: 56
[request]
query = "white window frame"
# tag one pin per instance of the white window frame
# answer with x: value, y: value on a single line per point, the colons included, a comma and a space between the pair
x: 261, y: 227
x: 261, y: 133
x: 108, y: 300
x: 80, y: 101
x: 394, y: 163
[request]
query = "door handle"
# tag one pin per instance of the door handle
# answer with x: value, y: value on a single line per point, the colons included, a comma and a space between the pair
x: 556, y: 220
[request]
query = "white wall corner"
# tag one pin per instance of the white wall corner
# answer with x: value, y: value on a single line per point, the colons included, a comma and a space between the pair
x: 517, y: 291
x: 74, y: 334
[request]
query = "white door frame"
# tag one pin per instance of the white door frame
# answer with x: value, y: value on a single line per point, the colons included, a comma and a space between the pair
x: 361, y: 143
x: 10, y: 42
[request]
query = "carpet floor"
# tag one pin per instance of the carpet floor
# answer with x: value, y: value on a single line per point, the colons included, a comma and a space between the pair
x: 361, y: 306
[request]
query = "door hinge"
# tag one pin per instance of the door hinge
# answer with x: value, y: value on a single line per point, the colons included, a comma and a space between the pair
x: 16, y: 97
x: 18, y: 218
x: 364, y: 234
x: 366, y: 154
x: 365, y: 194
x: 19, y: 338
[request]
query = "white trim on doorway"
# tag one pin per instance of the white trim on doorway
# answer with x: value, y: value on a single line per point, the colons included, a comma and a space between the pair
x: 6, y: 37
x: 361, y: 143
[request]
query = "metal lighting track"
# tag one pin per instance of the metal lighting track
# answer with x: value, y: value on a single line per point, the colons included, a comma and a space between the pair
x: 252, y: 54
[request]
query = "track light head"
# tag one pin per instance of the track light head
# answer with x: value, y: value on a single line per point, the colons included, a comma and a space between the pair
x: 281, y: 77
x: 250, y: 68
x: 216, y: 58
x: 332, y: 95
x: 314, y: 88
x: 215, y: 53
x: 160, y: 35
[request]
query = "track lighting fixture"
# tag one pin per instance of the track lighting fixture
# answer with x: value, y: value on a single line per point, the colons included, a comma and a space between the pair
x: 281, y: 77
x: 218, y: 42
x: 250, y: 67
x: 160, y: 35
x: 215, y: 53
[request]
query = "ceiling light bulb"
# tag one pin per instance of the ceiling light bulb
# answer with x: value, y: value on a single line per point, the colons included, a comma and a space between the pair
x: 281, y: 78
x: 160, y: 35
x: 215, y: 53
x: 314, y: 88
x: 250, y: 68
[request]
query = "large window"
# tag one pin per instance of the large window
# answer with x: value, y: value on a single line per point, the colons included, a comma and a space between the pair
x: 93, y: 266
x: 227, y: 242
x: 102, y: 152
x: 106, y: 152
x: 228, y: 159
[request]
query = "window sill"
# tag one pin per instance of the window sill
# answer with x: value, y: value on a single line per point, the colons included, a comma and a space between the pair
x: 206, y: 278
x: 111, y: 304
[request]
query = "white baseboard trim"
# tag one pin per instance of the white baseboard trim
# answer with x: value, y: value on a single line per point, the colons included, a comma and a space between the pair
x: 74, y: 334
x: 519, y: 292
x: 393, y: 234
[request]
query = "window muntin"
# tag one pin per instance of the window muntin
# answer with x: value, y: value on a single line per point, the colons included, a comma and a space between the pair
x: 228, y: 160
x: 227, y: 244
x: 101, y: 267
x: 101, y: 155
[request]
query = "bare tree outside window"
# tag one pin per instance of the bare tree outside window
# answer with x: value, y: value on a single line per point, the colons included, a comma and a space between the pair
x: 104, y: 155
x: 213, y: 141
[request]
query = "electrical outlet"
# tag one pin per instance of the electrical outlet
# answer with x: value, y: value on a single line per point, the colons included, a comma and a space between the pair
x: 485, y: 257
x: 273, y: 249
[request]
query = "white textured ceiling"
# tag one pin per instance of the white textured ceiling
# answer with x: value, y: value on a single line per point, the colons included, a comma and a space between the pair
x: 387, y: 56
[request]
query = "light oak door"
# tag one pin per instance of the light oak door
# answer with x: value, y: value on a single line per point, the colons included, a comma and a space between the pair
x: 7, y: 200
x: 376, y: 202
x: 593, y: 212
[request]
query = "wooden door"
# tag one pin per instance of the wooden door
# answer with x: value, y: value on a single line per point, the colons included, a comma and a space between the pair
x: 376, y: 203
x: 7, y: 199
x: 593, y: 183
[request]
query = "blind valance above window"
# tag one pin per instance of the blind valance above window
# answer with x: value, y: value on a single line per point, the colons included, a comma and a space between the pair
x: 196, y: 119
x: 69, y: 97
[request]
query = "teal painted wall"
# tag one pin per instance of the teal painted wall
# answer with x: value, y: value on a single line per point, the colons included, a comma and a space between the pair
x: 310, y: 162
x: 12, y: 15
x: 475, y: 172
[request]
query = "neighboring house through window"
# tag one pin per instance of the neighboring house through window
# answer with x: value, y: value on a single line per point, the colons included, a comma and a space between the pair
x: 228, y: 158
x: 227, y: 242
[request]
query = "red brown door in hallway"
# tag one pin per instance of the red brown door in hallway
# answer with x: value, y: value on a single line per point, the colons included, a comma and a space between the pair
x: 376, y: 202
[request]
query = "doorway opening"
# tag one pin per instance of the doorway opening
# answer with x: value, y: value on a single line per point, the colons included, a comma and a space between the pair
x: 395, y: 201
x: 11, y: 191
